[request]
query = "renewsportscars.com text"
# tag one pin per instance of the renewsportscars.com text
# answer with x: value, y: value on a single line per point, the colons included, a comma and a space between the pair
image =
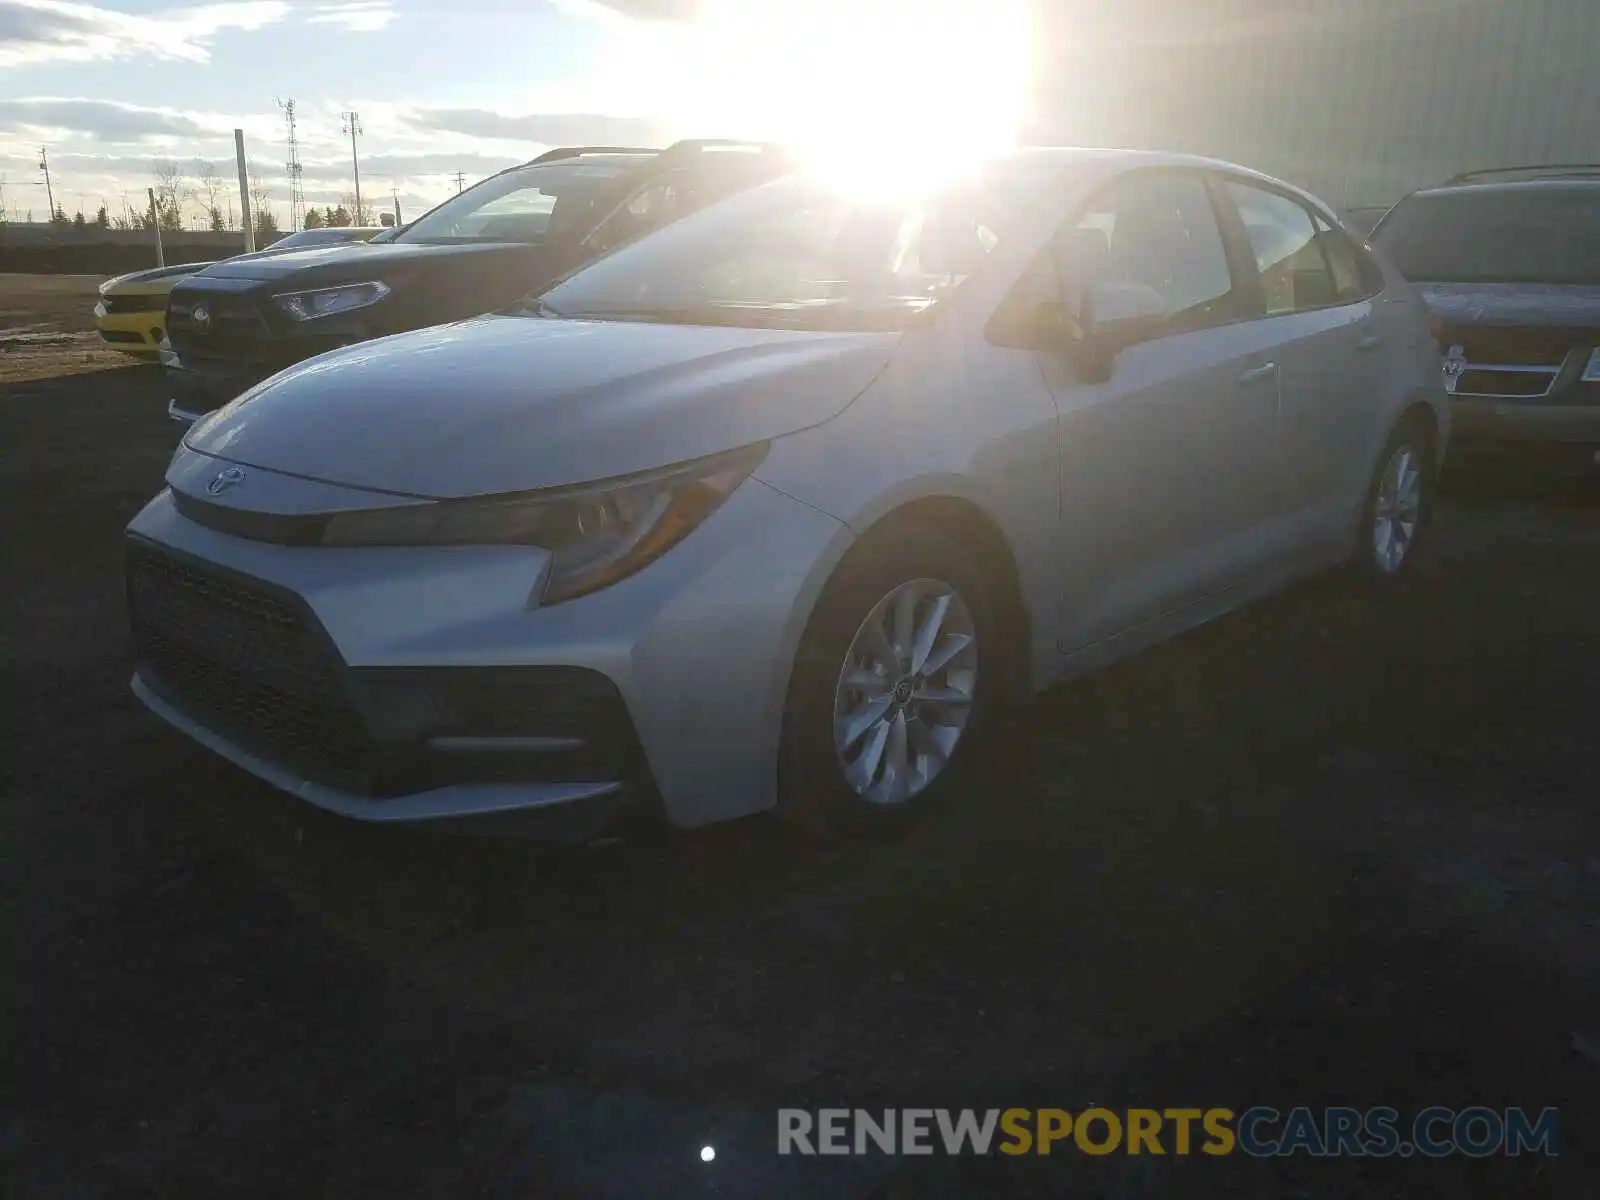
x: 1259, y: 1132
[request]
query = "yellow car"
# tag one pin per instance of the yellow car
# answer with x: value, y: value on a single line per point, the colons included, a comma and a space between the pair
x: 132, y: 311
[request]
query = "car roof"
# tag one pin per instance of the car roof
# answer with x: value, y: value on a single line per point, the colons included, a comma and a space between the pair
x: 1078, y: 156
x: 1494, y: 186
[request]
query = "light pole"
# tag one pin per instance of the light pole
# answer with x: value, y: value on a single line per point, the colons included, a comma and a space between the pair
x: 352, y: 126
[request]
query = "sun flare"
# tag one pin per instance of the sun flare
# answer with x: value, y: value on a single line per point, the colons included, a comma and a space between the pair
x: 878, y: 94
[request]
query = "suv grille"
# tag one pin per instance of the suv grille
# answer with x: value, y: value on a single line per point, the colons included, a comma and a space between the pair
x: 246, y: 663
x: 1511, y: 362
x: 235, y: 327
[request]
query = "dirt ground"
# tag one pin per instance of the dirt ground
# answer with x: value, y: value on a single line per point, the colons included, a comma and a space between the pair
x: 1320, y: 852
x: 47, y: 328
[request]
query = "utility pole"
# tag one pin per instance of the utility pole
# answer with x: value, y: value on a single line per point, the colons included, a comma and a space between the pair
x: 395, y: 193
x: 155, y: 223
x: 352, y: 126
x: 44, y: 165
x: 244, y: 192
x: 461, y: 181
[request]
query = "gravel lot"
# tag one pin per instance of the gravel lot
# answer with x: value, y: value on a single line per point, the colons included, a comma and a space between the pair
x: 1317, y: 853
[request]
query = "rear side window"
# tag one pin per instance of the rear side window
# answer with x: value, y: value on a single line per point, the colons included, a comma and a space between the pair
x: 1288, y: 254
x: 1157, y: 229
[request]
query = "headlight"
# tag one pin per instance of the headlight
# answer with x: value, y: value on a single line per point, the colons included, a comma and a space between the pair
x: 596, y: 534
x: 324, y: 302
x: 99, y: 309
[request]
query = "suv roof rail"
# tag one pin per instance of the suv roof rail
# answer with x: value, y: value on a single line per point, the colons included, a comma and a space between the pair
x: 561, y: 152
x: 690, y: 146
x: 1536, y: 171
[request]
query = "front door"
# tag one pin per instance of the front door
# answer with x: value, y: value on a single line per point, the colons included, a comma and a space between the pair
x: 1168, y: 467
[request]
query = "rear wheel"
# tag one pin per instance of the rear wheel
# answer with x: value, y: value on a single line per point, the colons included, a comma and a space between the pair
x: 893, y: 689
x: 1399, y: 506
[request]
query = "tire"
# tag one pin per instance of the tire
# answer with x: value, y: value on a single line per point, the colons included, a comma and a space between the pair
x: 1398, y: 512
x: 815, y: 790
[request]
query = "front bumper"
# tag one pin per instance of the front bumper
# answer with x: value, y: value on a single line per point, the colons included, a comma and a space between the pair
x: 1560, y: 437
x: 695, y: 649
x: 135, y: 333
x: 197, y: 390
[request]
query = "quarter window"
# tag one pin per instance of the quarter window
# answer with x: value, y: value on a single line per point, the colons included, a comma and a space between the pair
x: 1344, y: 261
x: 1288, y: 255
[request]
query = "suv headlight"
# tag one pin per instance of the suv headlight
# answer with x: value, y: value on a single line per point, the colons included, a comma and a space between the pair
x: 325, y: 302
x: 596, y: 534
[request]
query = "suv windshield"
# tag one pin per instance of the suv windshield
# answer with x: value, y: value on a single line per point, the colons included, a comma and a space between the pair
x: 1533, y: 234
x: 526, y: 205
x: 795, y: 254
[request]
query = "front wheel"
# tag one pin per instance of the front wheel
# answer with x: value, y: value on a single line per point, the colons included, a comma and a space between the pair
x: 893, y: 688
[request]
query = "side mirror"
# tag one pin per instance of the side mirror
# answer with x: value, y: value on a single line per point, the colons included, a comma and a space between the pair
x: 1112, y: 317
x: 1120, y: 314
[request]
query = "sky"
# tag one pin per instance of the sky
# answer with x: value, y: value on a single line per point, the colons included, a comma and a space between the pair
x: 113, y: 87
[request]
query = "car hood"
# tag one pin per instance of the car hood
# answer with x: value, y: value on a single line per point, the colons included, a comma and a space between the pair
x: 1549, y: 306
x: 510, y: 403
x: 351, y: 261
x: 165, y: 277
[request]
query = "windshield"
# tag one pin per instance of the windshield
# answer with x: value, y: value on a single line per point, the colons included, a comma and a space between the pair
x: 795, y: 254
x: 320, y: 237
x: 1526, y: 235
x: 527, y: 205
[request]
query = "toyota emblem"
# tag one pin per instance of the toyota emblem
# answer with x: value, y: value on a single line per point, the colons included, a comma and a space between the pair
x: 202, y: 318
x: 229, y: 477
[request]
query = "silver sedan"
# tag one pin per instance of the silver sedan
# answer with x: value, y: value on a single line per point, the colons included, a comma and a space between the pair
x: 780, y: 507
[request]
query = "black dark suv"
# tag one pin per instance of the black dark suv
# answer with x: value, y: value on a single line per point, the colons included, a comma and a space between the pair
x: 1509, y: 262
x: 237, y: 322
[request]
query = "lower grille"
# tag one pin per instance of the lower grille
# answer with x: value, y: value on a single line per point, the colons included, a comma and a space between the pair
x: 121, y: 335
x: 248, y: 664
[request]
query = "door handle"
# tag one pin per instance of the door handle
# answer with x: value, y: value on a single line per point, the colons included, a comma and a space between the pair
x: 1258, y: 374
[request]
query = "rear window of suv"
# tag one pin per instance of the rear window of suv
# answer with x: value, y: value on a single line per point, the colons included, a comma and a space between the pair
x: 1536, y: 234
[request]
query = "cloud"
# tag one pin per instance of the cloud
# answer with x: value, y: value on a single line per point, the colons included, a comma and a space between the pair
x: 552, y: 129
x: 361, y: 16
x: 36, y: 31
x: 641, y: 10
x: 103, y: 119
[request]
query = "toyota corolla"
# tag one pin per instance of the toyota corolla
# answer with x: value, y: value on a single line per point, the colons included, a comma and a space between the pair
x: 782, y: 507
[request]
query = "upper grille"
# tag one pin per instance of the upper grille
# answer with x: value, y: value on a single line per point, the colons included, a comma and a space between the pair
x: 1510, y: 363
x: 248, y: 664
x: 118, y: 305
x: 235, y: 327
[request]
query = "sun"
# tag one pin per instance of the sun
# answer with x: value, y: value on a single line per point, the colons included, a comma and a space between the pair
x: 879, y: 94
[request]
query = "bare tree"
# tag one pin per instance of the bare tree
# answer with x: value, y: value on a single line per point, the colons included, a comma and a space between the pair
x: 260, y: 201
x: 361, y: 215
x: 209, y: 186
x: 172, y: 192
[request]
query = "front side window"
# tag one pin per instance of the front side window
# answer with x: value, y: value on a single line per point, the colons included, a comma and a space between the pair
x: 1288, y: 255
x: 527, y: 205
x: 1159, y: 230
x: 798, y: 254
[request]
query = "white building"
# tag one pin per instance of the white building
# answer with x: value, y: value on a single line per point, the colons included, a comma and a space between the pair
x: 1357, y: 100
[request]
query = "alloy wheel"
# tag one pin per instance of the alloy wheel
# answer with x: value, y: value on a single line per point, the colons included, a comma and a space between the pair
x: 905, y: 692
x: 1397, y: 509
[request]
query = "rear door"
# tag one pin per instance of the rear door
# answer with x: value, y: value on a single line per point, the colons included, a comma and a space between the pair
x: 1167, y: 467
x: 1318, y: 313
